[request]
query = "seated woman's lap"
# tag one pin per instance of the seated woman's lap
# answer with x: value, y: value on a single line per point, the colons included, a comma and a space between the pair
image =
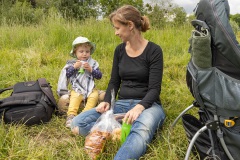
x: 153, y: 116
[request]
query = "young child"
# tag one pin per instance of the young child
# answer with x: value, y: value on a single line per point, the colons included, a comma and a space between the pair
x: 81, y: 73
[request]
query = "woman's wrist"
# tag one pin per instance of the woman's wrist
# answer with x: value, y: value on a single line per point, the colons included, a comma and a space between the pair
x: 140, y: 107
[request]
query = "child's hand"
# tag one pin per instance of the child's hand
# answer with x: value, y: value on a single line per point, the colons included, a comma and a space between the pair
x: 87, y: 67
x: 77, y: 64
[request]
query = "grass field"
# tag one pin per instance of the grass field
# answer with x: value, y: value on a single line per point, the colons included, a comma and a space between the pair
x: 31, y: 52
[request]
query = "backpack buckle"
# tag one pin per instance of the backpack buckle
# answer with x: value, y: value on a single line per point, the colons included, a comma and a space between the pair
x: 229, y: 123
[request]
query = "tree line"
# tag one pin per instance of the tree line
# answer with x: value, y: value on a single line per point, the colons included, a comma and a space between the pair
x: 25, y: 12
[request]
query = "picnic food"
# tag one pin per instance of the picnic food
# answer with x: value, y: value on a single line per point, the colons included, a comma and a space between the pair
x: 94, y: 143
x: 116, y: 134
x: 101, y: 132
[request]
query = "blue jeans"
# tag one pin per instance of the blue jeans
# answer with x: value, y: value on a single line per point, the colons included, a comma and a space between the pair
x: 142, y: 131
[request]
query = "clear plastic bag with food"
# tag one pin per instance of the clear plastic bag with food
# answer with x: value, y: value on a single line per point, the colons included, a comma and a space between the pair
x: 106, y: 127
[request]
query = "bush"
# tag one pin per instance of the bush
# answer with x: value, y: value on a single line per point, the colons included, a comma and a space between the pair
x: 234, y: 26
x: 20, y: 13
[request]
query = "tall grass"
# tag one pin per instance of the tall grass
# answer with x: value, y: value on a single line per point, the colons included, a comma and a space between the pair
x: 31, y: 52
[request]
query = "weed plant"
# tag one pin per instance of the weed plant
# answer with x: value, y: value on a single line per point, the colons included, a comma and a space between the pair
x: 31, y: 52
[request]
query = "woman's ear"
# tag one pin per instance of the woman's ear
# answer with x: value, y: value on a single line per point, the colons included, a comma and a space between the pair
x: 130, y: 25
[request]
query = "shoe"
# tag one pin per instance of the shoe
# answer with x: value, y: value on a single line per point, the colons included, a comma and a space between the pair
x: 69, y: 120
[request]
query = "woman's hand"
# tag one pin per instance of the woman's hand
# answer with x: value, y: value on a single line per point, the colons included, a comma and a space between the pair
x: 103, y: 107
x: 133, y: 114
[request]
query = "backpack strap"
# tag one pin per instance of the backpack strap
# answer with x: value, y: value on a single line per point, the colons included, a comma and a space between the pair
x: 46, y: 88
x: 5, y: 89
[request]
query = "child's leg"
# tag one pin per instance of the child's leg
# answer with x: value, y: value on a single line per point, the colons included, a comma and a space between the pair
x: 74, y: 103
x: 92, y: 100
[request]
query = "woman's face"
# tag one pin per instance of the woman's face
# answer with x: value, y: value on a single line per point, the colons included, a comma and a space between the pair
x: 123, y: 31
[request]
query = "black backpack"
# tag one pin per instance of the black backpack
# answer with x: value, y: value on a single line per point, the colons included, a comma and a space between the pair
x: 30, y: 103
x: 213, y: 78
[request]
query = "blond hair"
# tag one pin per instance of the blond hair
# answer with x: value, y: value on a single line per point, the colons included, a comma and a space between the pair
x: 128, y: 13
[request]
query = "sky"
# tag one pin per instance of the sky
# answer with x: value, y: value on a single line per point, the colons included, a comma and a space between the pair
x: 189, y: 5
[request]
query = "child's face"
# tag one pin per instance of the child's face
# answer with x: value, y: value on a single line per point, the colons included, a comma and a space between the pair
x: 83, y: 52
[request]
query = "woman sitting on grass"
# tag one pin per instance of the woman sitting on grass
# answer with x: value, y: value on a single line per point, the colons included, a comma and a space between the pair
x: 136, y: 76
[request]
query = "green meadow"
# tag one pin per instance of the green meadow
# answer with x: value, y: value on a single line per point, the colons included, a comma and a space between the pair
x: 40, y: 51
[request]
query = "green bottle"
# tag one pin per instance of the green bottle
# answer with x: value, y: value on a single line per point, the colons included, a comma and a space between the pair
x: 125, y: 131
x: 81, y: 70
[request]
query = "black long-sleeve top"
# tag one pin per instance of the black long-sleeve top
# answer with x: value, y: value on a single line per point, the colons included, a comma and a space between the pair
x: 137, y: 77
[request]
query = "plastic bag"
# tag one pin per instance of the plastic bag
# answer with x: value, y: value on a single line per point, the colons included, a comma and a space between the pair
x: 105, y: 127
